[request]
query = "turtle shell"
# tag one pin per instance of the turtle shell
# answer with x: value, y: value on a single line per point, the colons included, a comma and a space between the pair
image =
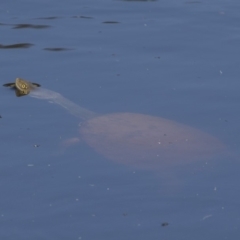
x: 146, y: 141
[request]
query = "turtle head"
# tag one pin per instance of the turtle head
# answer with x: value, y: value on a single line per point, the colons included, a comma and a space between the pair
x: 23, y: 86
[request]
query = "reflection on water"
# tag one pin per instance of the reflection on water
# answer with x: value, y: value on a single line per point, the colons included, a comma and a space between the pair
x: 110, y: 22
x: 58, y: 49
x: 48, y: 18
x: 192, y: 2
x: 25, y: 25
x: 82, y: 17
x: 55, y: 17
x: 17, y: 45
x: 34, y: 26
x: 139, y: 0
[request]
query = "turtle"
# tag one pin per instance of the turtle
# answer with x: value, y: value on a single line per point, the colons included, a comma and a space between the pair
x: 21, y: 86
x: 134, y: 139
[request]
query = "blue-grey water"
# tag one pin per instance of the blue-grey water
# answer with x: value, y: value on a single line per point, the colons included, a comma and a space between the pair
x: 173, y: 59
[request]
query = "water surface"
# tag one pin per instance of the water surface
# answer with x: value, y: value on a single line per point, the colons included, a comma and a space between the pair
x: 177, y: 60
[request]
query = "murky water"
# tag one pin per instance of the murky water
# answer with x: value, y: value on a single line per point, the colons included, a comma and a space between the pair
x: 175, y: 60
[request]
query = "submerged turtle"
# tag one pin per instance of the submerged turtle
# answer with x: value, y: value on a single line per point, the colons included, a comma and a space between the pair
x: 134, y: 139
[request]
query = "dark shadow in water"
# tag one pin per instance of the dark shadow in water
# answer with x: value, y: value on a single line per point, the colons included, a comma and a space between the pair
x: 48, y: 18
x: 58, y: 49
x: 164, y: 224
x: 110, y: 22
x: 17, y: 45
x: 139, y: 0
x: 4, y: 24
x: 86, y: 17
x: 26, y: 25
x: 192, y: 2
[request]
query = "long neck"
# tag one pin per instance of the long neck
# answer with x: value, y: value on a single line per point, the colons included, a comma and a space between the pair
x: 57, y: 98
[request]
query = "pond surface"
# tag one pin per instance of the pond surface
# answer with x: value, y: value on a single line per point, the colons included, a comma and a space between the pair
x: 177, y: 60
